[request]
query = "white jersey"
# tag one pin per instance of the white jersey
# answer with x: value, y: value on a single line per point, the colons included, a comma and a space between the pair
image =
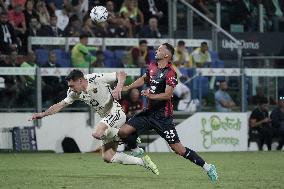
x: 98, y: 94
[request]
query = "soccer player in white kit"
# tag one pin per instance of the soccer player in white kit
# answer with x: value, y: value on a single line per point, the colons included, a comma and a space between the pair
x: 94, y: 89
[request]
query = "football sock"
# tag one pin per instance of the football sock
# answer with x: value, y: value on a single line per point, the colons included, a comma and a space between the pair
x: 130, y: 141
x: 122, y: 158
x: 193, y: 157
x: 137, y: 149
x: 206, y: 167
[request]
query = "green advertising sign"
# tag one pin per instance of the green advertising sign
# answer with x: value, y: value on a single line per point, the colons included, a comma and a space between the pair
x: 216, y: 131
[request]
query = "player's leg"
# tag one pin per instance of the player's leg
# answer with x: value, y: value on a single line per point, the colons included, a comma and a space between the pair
x: 110, y: 155
x: 196, y: 159
x: 130, y: 131
x: 166, y: 130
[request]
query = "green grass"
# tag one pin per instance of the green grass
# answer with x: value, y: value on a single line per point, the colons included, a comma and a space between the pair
x: 46, y: 170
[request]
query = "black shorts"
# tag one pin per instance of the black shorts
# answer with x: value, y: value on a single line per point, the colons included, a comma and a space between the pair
x: 147, y: 120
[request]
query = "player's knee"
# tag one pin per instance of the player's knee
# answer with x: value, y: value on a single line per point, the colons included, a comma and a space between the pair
x: 122, y: 133
x: 107, y: 158
x: 97, y: 135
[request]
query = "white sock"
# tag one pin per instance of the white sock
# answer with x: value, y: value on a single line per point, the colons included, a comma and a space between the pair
x: 137, y: 149
x: 206, y: 167
x: 122, y: 158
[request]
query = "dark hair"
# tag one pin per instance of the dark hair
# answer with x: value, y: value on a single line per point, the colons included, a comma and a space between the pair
x: 74, y: 75
x: 142, y: 41
x: 222, y: 81
x: 204, y: 43
x: 83, y: 35
x: 181, y: 43
x: 263, y: 100
x: 170, y: 48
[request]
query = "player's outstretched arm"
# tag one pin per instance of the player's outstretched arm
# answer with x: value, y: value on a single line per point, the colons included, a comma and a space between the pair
x: 51, y: 110
x: 138, y: 83
x: 121, y: 77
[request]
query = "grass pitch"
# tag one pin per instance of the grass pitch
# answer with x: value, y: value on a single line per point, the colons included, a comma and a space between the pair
x: 47, y: 170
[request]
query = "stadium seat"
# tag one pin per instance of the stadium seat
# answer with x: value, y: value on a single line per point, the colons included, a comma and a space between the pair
x: 63, y: 58
x: 196, y: 84
x: 214, y: 56
x: 118, y: 55
x: 41, y: 56
x: 109, y: 58
x: 152, y: 55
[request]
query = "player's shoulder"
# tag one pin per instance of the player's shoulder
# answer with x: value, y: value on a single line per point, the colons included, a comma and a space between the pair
x: 171, y: 69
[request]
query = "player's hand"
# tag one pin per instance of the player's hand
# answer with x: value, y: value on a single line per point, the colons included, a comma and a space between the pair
x: 266, y: 120
x: 116, y: 93
x: 146, y: 93
x: 36, y: 116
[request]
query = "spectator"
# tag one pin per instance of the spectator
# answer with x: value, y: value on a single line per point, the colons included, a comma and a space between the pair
x: 74, y: 27
x: 13, y: 83
x: 129, y: 10
x: 18, y: 21
x: 134, y: 104
x: 181, y: 57
x: 62, y: 18
x: 8, y: 38
x: 80, y: 54
x: 260, y: 94
x: 150, y: 9
x: 202, y: 6
x: 35, y: 28
x: 30, y: 63
x: 249, y: 16
x: 54, y: 5
x: 88, y: 27
x: 55, y: 31
x: 99, y: 63
x: 259, y: 123
x: 277, y: 118
x: 275, y: 12
x: 44, y: 17
x: 29, y: 12
x: 223, y: 100
x: 140, y: 53
x: 200, y: 56
x: 117, y: 26
x: 151, y: 30
x: 53, y: 86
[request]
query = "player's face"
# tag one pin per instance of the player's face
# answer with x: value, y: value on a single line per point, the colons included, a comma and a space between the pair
x: 76, y: 86
x: 160, y: 53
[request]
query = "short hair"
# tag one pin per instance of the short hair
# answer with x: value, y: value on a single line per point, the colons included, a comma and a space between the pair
x: 74, y: 75
x: 143, y: 41
x: 204, y: 43
x: 170, y: 48
x: 263, y: 100
x: 83, y: 35
x: 181, y: 43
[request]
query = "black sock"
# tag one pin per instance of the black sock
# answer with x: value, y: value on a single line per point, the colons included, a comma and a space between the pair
x: 130, y: 141
x: 193, y: 157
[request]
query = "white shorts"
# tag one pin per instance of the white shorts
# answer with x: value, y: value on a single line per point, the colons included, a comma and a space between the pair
x: 116, y: 118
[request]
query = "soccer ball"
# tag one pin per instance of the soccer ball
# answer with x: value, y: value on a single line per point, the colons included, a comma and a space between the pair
x: 99, y: 14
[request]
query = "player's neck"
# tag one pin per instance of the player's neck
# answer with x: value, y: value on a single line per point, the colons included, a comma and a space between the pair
x: 162, y: 63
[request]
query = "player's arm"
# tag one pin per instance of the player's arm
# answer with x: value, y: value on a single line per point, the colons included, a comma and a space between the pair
x: 51, y: 110
x: 136, y: 84
x: 167, y: 95
x: 121, y: 77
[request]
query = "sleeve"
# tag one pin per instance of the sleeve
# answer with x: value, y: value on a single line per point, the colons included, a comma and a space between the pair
x: 218, y: 96
x: 102, y: 77
x: 171, y: 78
x: 71, y: 97
x: 83, y: 49
x: 254, y: 115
